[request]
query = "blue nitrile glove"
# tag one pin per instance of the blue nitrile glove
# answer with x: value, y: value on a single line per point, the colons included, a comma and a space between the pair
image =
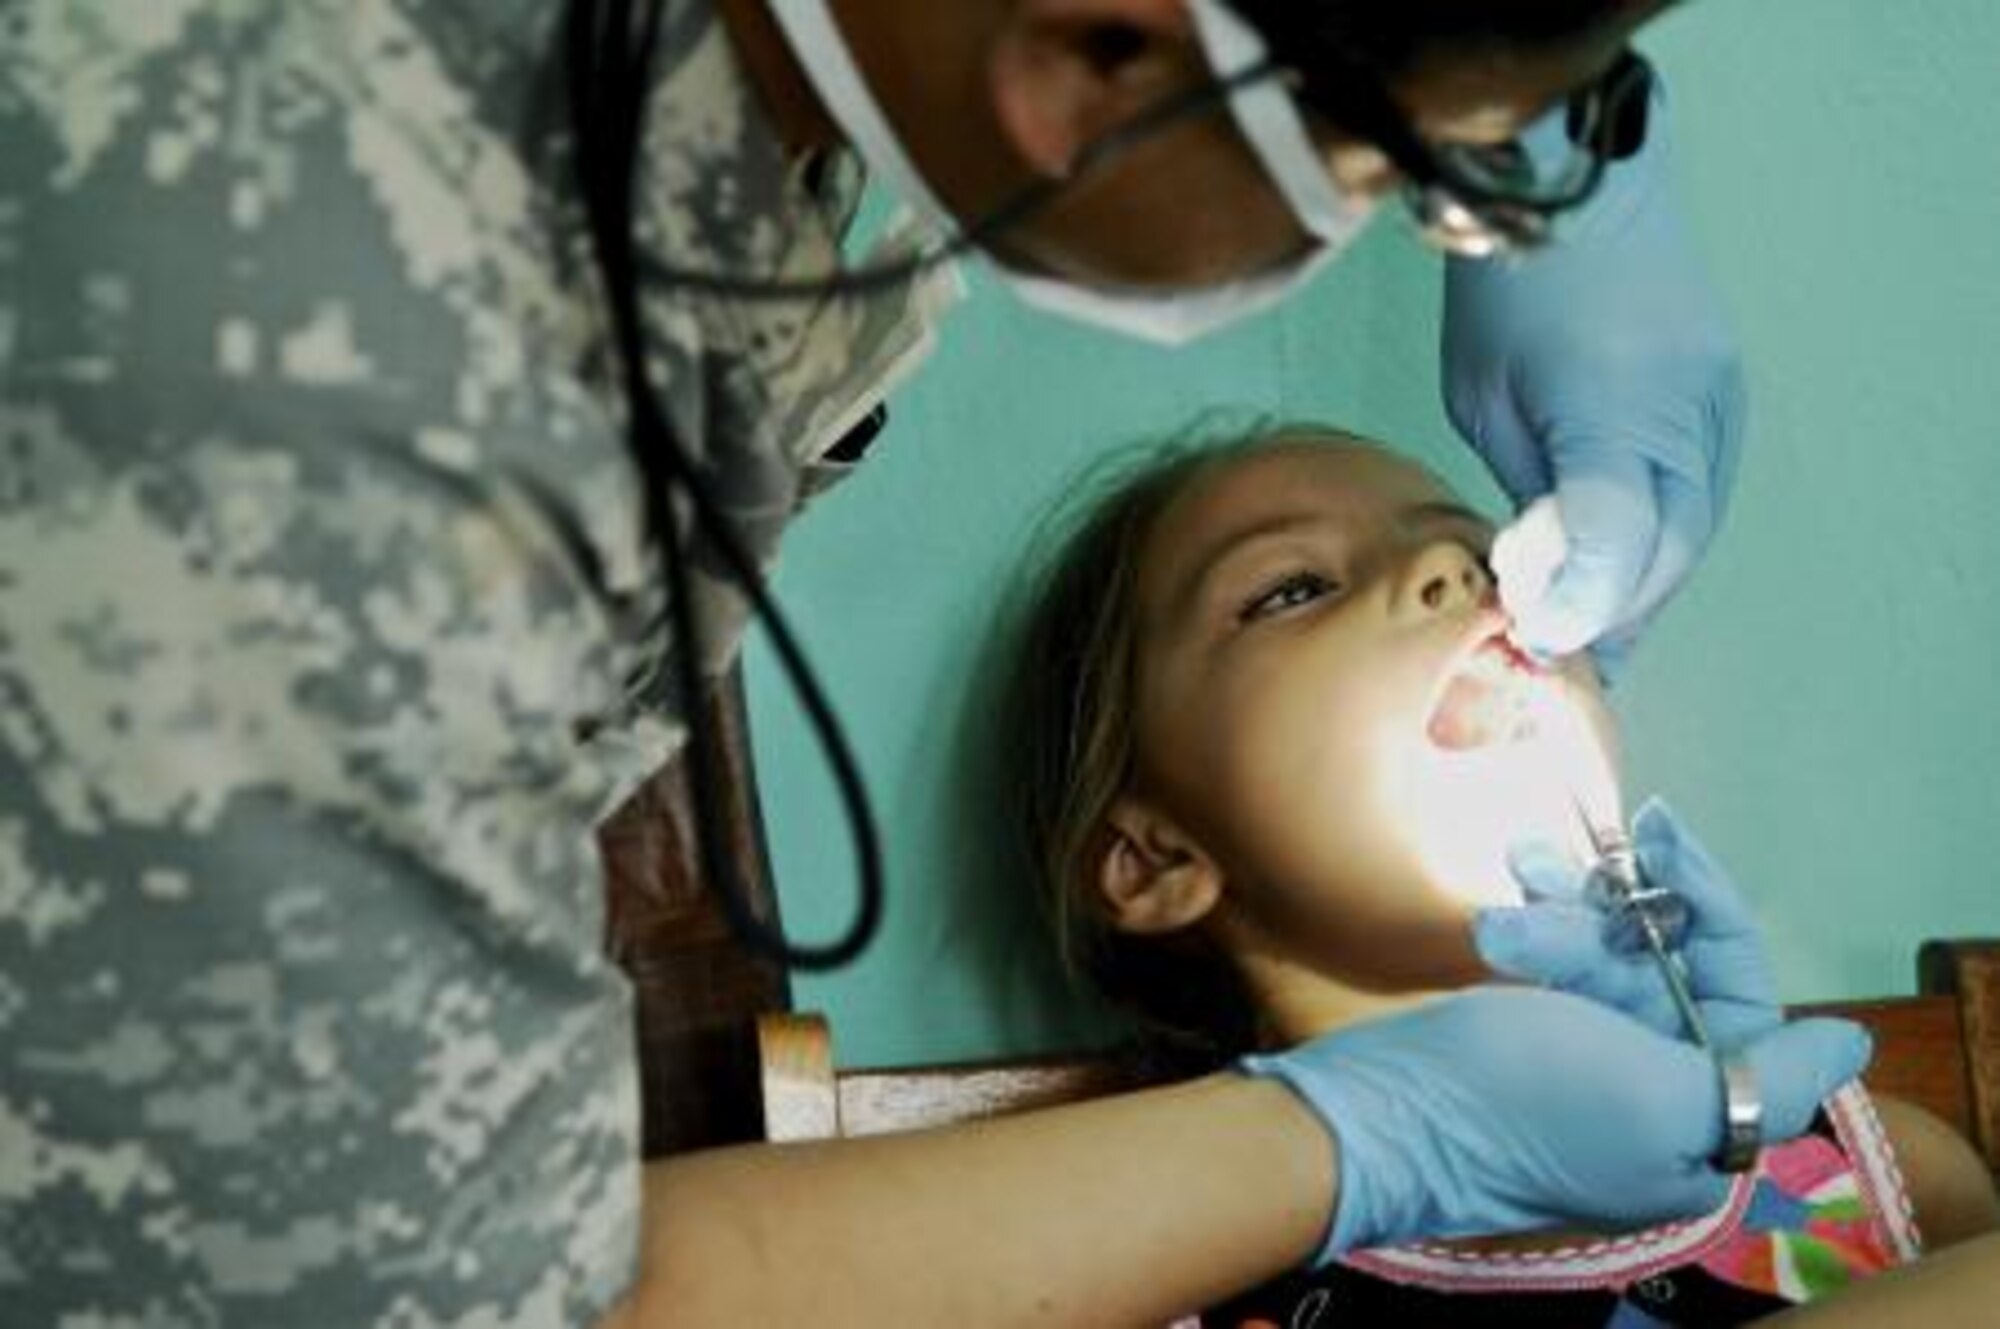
x: 1505, y: 1109
x: 1558, y: 940
x: 1601, y: 369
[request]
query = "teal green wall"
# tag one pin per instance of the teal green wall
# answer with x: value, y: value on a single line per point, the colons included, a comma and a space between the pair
x: 1821, y: 702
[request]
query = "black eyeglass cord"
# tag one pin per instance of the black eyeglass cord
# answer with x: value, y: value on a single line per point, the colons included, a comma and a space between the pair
x: 608, y: 54
x: 1190, y: 104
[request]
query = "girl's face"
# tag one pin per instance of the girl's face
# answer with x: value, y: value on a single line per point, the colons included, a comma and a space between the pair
x: 1326, y: 708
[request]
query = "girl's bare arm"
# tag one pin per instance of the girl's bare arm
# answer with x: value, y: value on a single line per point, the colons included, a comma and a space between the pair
x: 1954, y: 1287
x: 1121, y: 1211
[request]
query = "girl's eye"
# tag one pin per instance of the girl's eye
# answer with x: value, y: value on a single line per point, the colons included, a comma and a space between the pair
x: 1295, y: 589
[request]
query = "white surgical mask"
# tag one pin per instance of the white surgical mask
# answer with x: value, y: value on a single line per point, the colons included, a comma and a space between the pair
x: 1263, y: 114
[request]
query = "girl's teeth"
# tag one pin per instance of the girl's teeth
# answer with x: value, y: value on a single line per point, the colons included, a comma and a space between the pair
x: 1482, y: 705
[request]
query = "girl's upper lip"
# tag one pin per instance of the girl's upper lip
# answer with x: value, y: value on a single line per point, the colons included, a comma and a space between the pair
x: 1488, y: 626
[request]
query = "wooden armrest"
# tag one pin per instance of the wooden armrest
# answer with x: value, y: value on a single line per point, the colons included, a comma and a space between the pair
x: 795, y: 1064
x: 913, y: 1097
x: 1940, y: 1049
x: 1919, y: 1051
x: 1968, y: 970
x: 806, y: 1098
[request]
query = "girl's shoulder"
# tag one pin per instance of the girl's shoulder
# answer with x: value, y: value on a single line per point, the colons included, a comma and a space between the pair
x: 1949, y: 1187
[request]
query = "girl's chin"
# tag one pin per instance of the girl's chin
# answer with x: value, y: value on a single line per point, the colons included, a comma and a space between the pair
x: 1468, y: 811
x: 1478, y: 886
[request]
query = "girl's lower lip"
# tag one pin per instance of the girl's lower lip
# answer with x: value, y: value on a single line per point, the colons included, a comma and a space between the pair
x: 1469, y: 715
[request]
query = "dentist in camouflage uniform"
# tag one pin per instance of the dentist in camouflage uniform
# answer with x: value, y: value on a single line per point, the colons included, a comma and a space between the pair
x: 330, y: 625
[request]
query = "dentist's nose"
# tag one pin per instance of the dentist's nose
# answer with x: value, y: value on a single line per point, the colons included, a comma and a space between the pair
x: 1443, y: 577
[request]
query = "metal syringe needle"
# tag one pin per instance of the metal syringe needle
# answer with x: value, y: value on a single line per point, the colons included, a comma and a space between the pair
x: 1634, y: 901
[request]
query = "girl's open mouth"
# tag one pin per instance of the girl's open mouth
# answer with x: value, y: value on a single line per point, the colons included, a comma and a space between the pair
x: 1486, y: 699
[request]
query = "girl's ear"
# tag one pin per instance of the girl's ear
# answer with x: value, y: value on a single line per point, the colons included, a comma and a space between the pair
x: 1153, y: 875
x: 1066, y: 72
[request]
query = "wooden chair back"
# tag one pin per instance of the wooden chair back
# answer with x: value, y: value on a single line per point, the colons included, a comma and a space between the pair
x: 1939, y: 1049
x: 695, y: 988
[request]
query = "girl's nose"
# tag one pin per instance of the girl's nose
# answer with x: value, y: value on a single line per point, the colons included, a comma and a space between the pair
x: 1441, y: 578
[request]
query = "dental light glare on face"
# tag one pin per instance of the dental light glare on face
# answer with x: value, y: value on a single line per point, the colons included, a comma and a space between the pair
x: 1514, y: 742
x: 1504, y: 743
x: 1499, y: 707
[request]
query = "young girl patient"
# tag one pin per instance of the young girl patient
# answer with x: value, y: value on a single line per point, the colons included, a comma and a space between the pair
x: 1275, y: 752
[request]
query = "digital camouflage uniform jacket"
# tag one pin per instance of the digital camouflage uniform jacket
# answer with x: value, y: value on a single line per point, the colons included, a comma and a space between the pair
x: 319, y: 549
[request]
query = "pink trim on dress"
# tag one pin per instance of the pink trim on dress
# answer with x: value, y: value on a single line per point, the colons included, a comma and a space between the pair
x: 1596, y: 1263
x: 1859, y: 1129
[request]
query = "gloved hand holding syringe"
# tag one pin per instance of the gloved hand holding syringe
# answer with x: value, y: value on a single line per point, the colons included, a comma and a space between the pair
x: 1628, y: 926
x: 1423, y: 1157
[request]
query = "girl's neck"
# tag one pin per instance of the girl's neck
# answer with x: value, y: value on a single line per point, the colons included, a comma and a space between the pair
x: 1295, y: 1004
x: 1297, y: 999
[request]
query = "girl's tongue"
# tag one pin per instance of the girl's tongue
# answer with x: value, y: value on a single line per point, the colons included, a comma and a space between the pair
x: 1486, y: 701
